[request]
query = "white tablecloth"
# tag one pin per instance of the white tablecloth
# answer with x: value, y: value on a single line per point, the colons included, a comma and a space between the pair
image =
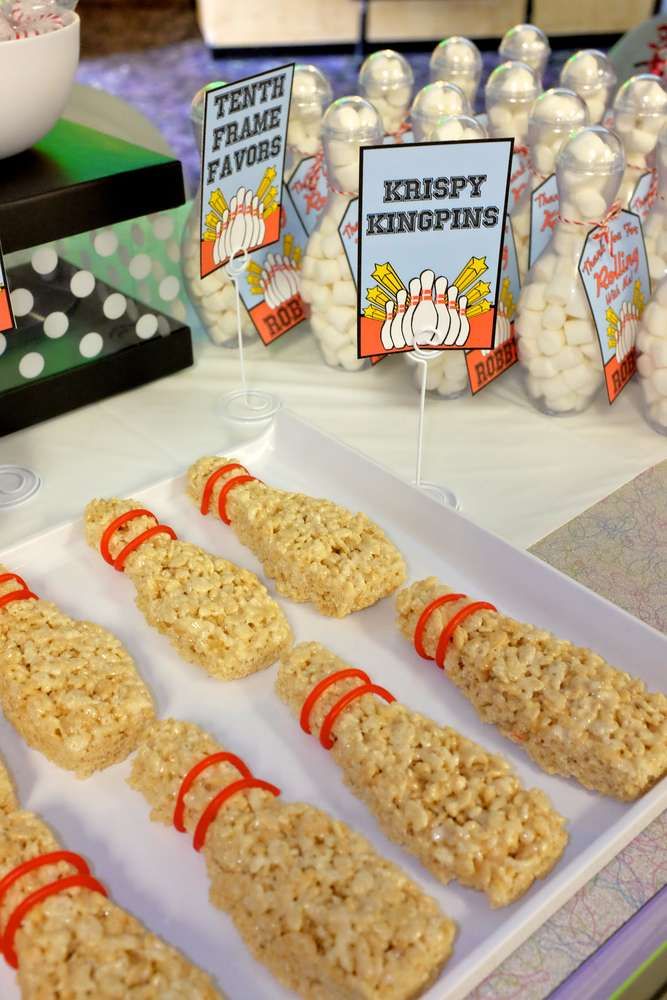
x: 517, y: 472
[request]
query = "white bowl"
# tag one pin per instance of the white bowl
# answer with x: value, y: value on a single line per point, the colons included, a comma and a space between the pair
x: 36, y: 76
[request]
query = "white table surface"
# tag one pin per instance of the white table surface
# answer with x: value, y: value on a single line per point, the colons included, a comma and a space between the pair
x: 516, y: 471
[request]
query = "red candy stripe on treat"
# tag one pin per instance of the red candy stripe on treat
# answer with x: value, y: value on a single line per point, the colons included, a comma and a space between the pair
x: 22, y: 910
x: 130, y: 515
x: 41, y: 861
x: 424, y: 617
x: 222, y: 499
x: 22, y: 594
x: 212, y: 480
x: 193, y: 774
x: 214, y: 806
x: 452, y: 624
x: 341, y: 705
x: 321, y: 687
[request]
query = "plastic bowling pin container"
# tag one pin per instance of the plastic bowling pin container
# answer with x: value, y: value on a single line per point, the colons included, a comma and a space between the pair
x: 457, y: 60
x: 509, y: 94
x: 311, y: 96
x: 434, y: 101
x: 655, y: 227
x: 387, y: 81
x: 455, y: 128
x: 528, y: 44
x: 213, y: 297
x: 554, y: 115
x: 640, y: 109
x: 591, y: 75
x: 326, y: 281
x: 652, y: 358
x: 558, y: 346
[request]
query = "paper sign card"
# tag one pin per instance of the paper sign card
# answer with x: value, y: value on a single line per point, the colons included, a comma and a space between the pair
x: 544, y: 209
x: 520, y: 175
x: 270, y: 286
x: 614, y: 271
x: 308, y: 187
x: 431, y: 223
x: 243, y: 154
x: 7, y: 321
x: 485, y: 366
x: 644, y: 195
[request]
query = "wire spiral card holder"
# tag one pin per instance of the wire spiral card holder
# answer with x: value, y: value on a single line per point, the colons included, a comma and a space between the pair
x: 442, y: 494
x: 245, y: 405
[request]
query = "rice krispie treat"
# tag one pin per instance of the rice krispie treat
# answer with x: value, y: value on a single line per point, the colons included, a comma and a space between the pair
x: 214, y: 613
x: 565, y: 706
x: 314, y: 549
x: 8, y: 800
x: 75, y: 944
x: 310, y: 897
x: 461, y: 810
x: 69, y: 687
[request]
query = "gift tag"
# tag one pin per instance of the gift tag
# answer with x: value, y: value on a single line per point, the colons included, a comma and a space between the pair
x: 308, y: 187
x: 484, y: 366
x: 7, y: 321
x: 614, y: 272
x: 270, y: 284
x: 431, y: 218
x: 520, y: 176
x: 544, y: 208
x: 243, y: 153
x: 644, y: 194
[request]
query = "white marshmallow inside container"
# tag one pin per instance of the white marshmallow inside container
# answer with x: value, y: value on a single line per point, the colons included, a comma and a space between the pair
x: 591, y: 75
x: 652, y: 358
x: 558, y: 346
x: 432, y: 103
x: 311, y: 96
x: 213, y: 297
x: 457, y: 60
x: 553, y: 116
x: 509, y: 94
x: 655, y: 226
x: 640, y: 109
x: 528, y: 44
x: 326, y: 281
x: 387, y: 81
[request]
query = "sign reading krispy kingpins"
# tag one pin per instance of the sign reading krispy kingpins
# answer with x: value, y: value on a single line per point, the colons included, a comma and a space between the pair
x: 243, y: 153
x: 431, y: 223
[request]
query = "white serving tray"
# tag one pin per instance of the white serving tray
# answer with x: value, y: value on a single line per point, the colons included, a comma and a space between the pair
x: 153, y: 871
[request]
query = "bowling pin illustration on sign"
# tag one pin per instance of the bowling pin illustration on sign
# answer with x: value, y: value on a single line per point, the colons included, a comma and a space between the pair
x: 441, y: 310
x: 406, y: 326
x: 385, y: 332
x: 454, y: 318
x: 396, y: 329
x: 425, y: 317
x: 465, y: 322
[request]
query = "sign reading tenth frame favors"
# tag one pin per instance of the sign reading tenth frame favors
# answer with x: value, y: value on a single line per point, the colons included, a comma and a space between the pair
x: 431, y: 225
x: 243, y: 154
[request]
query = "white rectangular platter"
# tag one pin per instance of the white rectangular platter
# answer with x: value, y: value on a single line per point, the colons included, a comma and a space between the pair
x: 153, y: 871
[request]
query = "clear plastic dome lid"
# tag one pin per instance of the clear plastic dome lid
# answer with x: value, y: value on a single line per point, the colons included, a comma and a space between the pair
x: 526, y: 43
x: 592, y: 150
x: 559, y: 107
x: 438, y: 99
x: 662, y: 159
x: 353, y: 119
x: 587, y: 71
x: 642, y: 95
x: 385, y: 71
x: 199, y: 101
x: 311, y: 91
x: 512, y: 82
x: 457, y: 127
x: 456, y: 55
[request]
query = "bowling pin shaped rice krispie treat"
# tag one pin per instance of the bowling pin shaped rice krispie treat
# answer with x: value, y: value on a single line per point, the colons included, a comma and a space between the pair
x: 311, y: 96
x: 432, y: 103
x: 572, y: 712
x: 327, y: 283
x: 526, y: 43
x: 386, y: 80
x: 558, y: 345
x: 70, y: 941
x: 311, y: 898
x: 655, y: 226
x: 315, y: 550
x: 457, y: 60
x: 640, y: 111
x: 553, y: 116
x: 591, y: 75
x: 214, y: 613
x: 652, y: 360
x: 69, y: 687
x: 460, y: 810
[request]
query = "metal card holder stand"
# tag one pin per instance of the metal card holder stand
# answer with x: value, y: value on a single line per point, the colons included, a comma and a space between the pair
x: 419, y: 356
x: 245, y: 405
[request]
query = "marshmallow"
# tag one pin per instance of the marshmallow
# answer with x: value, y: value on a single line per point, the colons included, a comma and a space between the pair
x: 386, y: 80
x: 655, y: 226
x: 528, y: 44
x: 457, y: 128
x: 652, y: 361
x: 311, y: 95
x: 591, y: 75
x: 446, y: 374
x: 509, y: 93
x: 640, y: 109
x: 457, y: 60
x: 432, y: 103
